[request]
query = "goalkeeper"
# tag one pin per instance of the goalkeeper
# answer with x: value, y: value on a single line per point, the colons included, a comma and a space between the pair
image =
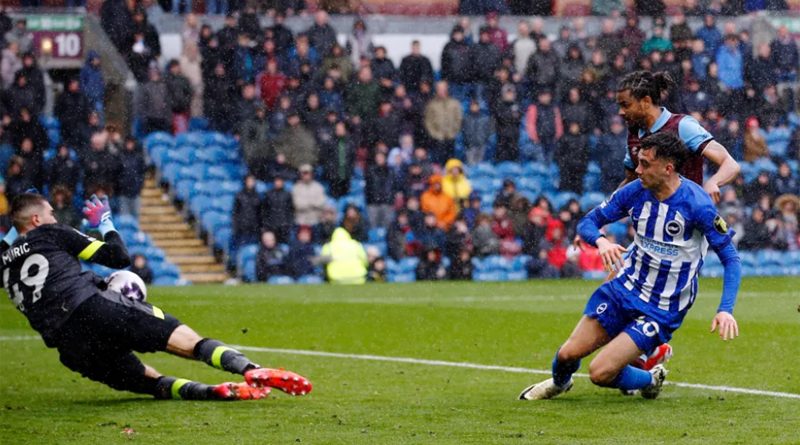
x: 96, y: 331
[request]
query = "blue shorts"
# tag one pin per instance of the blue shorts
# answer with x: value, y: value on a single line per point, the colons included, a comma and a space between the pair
x: 607, y: 305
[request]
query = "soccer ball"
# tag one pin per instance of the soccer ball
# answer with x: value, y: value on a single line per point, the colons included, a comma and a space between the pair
x: 128, y: 284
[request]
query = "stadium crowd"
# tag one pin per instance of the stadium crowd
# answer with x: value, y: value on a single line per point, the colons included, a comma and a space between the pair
x: 313, y: 117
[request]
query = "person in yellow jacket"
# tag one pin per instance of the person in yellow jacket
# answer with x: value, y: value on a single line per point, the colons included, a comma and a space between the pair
x: 454, y: 183
x: 346, y: 259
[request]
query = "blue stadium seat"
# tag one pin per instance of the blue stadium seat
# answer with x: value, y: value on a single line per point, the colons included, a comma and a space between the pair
x: 223, y: 204
x: 228, y: 187
x: 748, y: 259
x: 248, y: 270
x: 591, y: 200
x: 408, y: 264
x: 492, y: 275
x: 310, y: 279
x: 159, y: 138
x: 377, y: 235
x: 165, y: 281
x: 560, y: 199
x: 49, y: 122
x: 193, y: 138
x: 402, y: 277
x: 248, y: 251
x: 184, y: 189
x: 594, y: 275
x: 198, y: 124
x: 211, y: 155
x: 123, y: 222
x: 280, y: 279
x: 213, y: 138
x: 212, y: 220
x: 198, y: 203
x: 535, y: 169
x: 151, y: 253
x: 517, y: 275
x: 222, y: 238
x: 381, y: 248
x: 509, y: 170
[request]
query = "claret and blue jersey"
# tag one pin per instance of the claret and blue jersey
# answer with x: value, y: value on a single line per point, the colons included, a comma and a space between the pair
x: 661, y: 269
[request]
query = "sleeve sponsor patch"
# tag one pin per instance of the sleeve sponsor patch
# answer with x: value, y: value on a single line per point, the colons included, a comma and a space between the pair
x: 720, y: 225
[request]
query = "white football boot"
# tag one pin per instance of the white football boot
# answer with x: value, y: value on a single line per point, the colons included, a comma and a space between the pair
x: 544, y: 390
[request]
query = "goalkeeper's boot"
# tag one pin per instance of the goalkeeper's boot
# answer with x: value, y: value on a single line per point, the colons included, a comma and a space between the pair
x: 287, y: 381
x: 239, y: 391
x: 544, y: 390
x: 659, y: 356
x: 659, y: 373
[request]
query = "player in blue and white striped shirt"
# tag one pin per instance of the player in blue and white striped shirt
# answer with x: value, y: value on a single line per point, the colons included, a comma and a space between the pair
x: 656, y: 284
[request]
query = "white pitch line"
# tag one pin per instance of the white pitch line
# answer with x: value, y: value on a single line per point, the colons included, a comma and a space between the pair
x: 464, y: 365
x: 512, y: 369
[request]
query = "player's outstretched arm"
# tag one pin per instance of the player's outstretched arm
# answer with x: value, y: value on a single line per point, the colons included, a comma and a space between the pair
x: 727, y: 169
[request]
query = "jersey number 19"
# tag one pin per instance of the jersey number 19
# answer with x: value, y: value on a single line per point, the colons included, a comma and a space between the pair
x: 33, y: 283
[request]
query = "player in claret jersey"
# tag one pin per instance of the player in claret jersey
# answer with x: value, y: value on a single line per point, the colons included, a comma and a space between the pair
x: 656, y: 284
x: 96, y: 330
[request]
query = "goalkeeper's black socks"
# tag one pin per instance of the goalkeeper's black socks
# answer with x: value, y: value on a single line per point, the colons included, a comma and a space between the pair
x: 220, y: 356
x: 182, y: 389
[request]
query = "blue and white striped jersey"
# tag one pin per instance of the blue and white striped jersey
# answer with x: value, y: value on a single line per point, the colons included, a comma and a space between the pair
x: 672, y: 238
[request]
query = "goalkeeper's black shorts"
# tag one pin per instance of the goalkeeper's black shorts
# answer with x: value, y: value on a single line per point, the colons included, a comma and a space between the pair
x: 100, y: 336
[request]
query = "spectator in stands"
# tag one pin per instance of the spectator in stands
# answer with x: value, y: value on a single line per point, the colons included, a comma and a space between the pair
x: 485, y: 58
x: 377, y: 270
x: 327, y: 224
x: 430, y: 266
x: 497, y: 35
x: 507, y: 193
x: 270, y: 259
x: 472, y: 210
x: 179, y: 96
x: 63, y: 171
x: 476, y: 130
x: 543, y: 124
x: 457, y: 238
x: 400, y: 156
x: 130, y: 179
x: 522, y: 47
x: 502, y: 226
x: 354, y: 223
x: 756, y: 234
x: 190, y: 66
x: 385, y: 126
x: 543, y: 68
x: 379, y: 192
x: 35, y: 79
x: 92, y: 82
x: 609, y: 40
x: 27, y: 126
x: 455, y: 61
x: 308, y: 197
x: 534, y: 230
x: 436, y: 202
x: 508, y: 117
x: 255, y: 143
x: 430, y: 235
x: 731, y: 63
x: 20, y: 35
x: 443, y: 117
x: 571, y: 67
x: 278, y: 211
x: 145, y: 46
x: 246, y: 216
x: 217, y: 104
x: 321, y: 34
x: 101, y: 168
x: 631, y: 36
x: 153, y: 104
x: 346, y: 259
x: 33, y: 168
x: 785, y: 55
x: 400, y: 237
x: 755, y: 146
x: 63, y: 209
x: 363, y: 95
x: 301, y: 257
x: 140, y: 267
x: 710, y: 35
x: 484, y: 240
x: 461, y: 266
x: 656, y: 42
x: 455, y: 184
x: 10, y: 64
x: 415, y: 67
x: 15, y: 181
x: 611, y: 149
x: 761, y: 186
x: 21, y: 94
x: 787, y: 207
x: 359, y: 42
x: 297, y: 143
x: 785, y: 182
x: 572, y: 158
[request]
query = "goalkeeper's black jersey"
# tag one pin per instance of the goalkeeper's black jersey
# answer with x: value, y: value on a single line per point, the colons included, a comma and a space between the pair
x: 42, y: 273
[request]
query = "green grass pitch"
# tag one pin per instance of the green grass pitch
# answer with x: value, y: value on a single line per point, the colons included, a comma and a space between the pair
x: 358, y: 401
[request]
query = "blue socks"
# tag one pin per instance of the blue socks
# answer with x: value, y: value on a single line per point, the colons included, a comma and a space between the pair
x: 631, y: 378
x: 562, y: 371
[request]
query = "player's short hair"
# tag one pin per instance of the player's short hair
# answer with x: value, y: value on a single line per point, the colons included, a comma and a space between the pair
x: 21, y: 208
x: 643, y: 84
x: 666, y: 146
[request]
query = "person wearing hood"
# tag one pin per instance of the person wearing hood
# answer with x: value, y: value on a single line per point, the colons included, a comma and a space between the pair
x: 454, y: 183
x: 246, y: 216
x: 297, y: 143
x: 455, y: 62
x: 130, y: 179
x: 92, y: 81
x: 346, y: 259
x: 35, y: 80
x: 438, y: 203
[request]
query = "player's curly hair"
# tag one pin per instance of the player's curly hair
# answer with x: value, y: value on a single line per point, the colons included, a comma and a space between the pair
x: 643, y: 84
x: 667, y: 146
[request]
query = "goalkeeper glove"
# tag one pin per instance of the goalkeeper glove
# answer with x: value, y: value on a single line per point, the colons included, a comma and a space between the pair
x: 98, y: 214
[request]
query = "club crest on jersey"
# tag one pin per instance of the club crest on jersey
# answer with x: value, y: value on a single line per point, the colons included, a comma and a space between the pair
x: 720, y: 225
x: 674, y: 228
